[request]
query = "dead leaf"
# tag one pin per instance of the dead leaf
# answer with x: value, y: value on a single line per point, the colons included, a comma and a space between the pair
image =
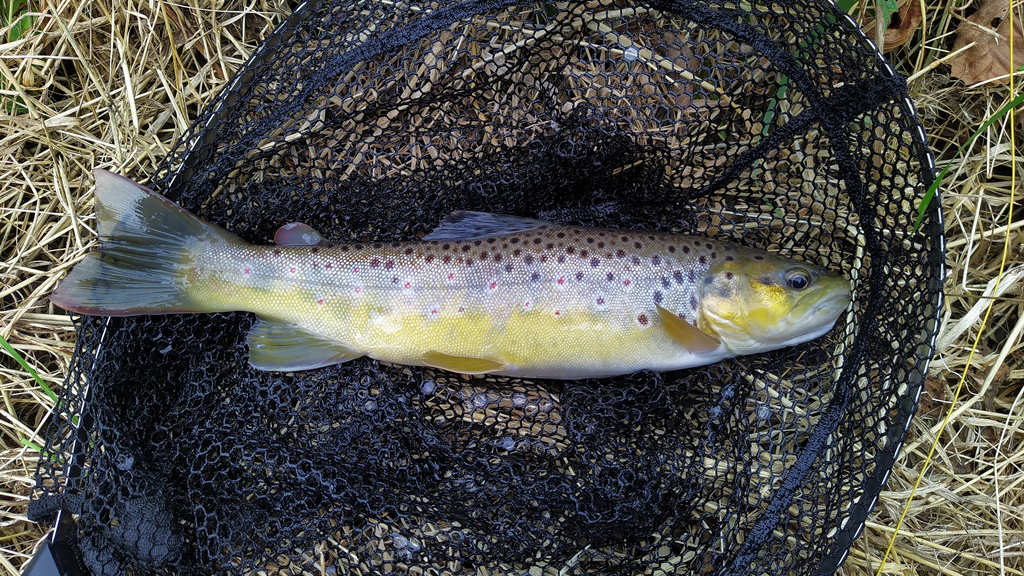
x: 990, y: 57
x: 904, y: 24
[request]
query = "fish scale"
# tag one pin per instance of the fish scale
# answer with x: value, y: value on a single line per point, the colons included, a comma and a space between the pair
x: 482, y: 293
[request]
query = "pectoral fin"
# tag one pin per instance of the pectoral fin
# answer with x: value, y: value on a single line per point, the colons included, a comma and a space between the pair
x: 461, y: 364
x: 687, y: 334
x: 283, y: 347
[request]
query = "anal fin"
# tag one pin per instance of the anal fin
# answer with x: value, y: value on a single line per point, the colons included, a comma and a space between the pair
x: 283, y: 347
x: 691, y: 337
x: 461, y: 364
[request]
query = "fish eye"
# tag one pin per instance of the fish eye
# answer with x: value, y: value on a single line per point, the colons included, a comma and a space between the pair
x: 798, y: 278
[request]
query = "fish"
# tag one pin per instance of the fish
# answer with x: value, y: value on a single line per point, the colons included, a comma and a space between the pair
x: 481, y: 294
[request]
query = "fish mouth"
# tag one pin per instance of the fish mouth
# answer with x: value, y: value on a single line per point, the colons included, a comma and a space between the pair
x: 831, y: 305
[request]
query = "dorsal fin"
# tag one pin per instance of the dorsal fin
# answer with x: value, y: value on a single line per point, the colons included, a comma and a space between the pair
x: 467, y: 225
x: 297, y: 234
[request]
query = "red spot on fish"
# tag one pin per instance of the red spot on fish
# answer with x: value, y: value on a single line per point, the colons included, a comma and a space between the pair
x: 292, y: 269
x: 355, y: 270
x: 246, y: 271
x: 462, y: 309
x: 314, y: 250
x: 451, y: 275
x: 359, y: 290
x: 561, y: 280
x: 328, y: 266
x: 642, y: 319
x: 407, y: 285
x: 526, y: 304
x: 558, y: 312
x: 493, y: 285
x: 374, y: 263
x: 620, y: 253
x: 626, y: 282
x: 433, y: 311
x: 600, y: 301
x: 320, y: 301
x: 446, y: 259
x: 430, y: 258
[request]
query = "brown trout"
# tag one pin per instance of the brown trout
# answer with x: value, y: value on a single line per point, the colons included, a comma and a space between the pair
x: 483, y: 293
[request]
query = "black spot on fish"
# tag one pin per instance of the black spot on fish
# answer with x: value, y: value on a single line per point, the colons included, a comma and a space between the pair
x: 561, y: 259
x: 560, y: 234
x: 490, y: 240
x: 535, y: 276
x: 378, y: 245
x: 517, y: 252
x: 514, y: 240
x: 686, y: 249
x: 374, y: 263
x: 665, y: 283
x: 728, y: 275
x: 691, y: 276
x: 758, y: 257
x: 497, y: 257
x: 636, y: 261
x: 446, y: 246
x: 656, y: 260
x: 672, y: 249
x: 637, y: 245
x: 466, y: 248
x: 590, y: 240
x: 703, y: 259
x: 537, y: 240
x: 583, y: 253
x: 678, y: 277
x: 569, y: 249
x: 693, y: 302
x: 620, y: 253
x: 610, y: 276
x: 642, y: 319
x: 595, y: 262
x: 429, y: 258
x: 477, y: 242
x: 658, y: 297
x: 729, y: 258
x: 508, y: 267
x: 447, y: 258
x: 579, y: 276
x: 550, y: 246
x: 528, y: 259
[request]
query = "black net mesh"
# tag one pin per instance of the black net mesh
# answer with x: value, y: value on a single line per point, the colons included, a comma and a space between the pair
x: 775, y: 124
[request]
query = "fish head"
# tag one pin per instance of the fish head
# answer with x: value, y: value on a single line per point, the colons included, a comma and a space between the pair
x: 755, y: 301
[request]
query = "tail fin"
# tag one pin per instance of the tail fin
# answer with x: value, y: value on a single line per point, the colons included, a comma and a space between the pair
x: 146, y: 243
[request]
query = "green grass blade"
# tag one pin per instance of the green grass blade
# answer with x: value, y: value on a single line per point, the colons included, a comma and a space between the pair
x: 31, y: 445
x: 18, y: 358
x: 846, y: 5
x: 930, y: 194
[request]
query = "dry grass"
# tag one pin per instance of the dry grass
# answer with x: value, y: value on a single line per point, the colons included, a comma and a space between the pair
x: 114, y: 83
